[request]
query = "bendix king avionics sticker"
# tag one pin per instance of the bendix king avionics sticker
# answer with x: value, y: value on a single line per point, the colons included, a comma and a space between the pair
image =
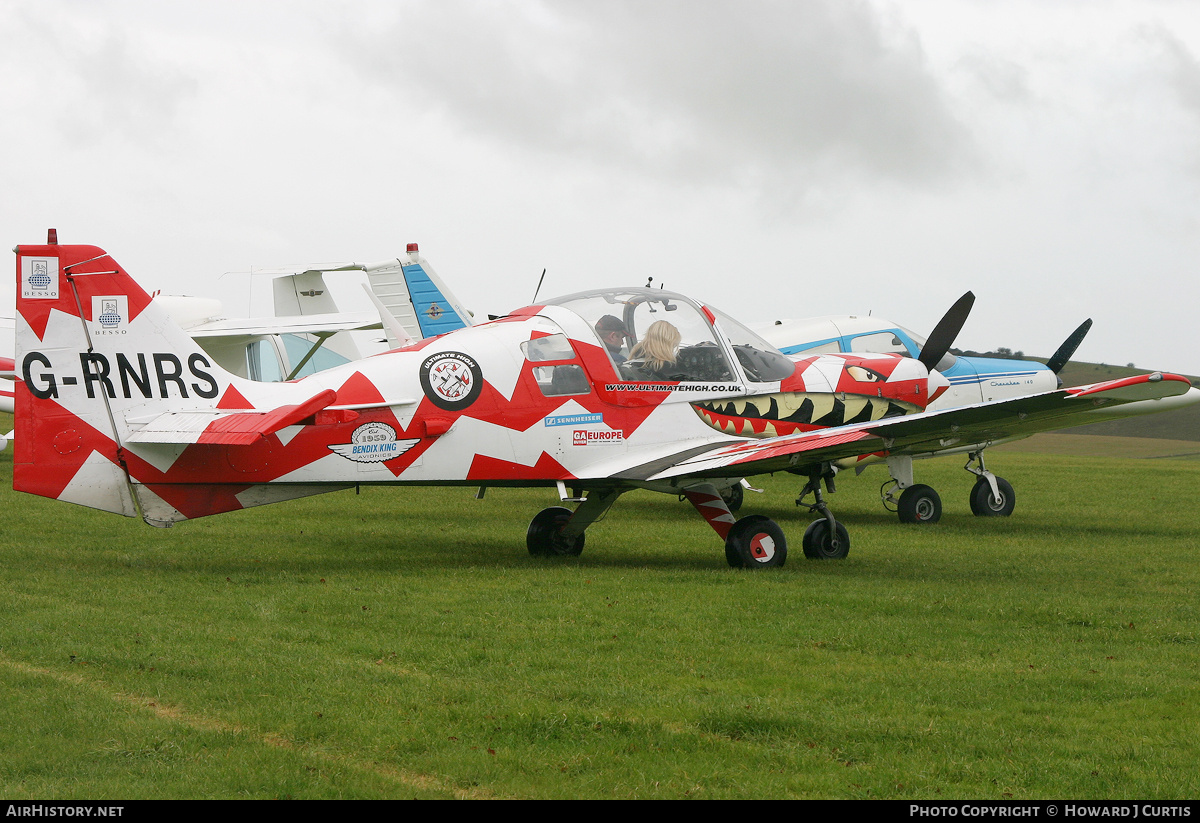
x: 373, y: 443
x: 451, y: 380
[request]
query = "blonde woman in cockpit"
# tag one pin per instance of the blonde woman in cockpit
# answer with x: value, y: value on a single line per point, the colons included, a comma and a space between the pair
x: 657, y: 350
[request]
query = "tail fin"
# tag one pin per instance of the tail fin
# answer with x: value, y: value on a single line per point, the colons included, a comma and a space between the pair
x: 417, y: 297
x: 100, y: 362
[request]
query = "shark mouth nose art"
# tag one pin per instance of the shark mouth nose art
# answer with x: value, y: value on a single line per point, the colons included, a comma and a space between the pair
x: 787, y: 412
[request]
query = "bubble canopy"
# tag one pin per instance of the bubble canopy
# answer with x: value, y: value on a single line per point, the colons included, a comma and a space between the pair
x: 628, y: 320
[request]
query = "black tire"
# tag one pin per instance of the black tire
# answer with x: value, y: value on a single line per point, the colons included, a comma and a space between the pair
x: 919, y: 504
x: 822, y: 543
x: 984, y: 504
x: 755, y: 542
x: 733, y: 497
x: 544, y: 537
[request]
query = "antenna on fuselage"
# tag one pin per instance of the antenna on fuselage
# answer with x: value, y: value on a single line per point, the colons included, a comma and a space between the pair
x: 539, y: 287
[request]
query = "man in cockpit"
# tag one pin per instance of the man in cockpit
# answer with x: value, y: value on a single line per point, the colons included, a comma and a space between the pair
x: 614, y: 334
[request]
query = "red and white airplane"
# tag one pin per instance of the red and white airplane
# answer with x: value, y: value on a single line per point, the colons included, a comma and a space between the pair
x: 121, y: 410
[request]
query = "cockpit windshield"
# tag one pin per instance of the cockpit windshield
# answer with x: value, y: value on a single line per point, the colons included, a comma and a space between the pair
x: 651, y: 334
x: 762, y: 362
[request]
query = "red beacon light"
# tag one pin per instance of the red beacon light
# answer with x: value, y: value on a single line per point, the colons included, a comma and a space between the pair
x: 412, y: 248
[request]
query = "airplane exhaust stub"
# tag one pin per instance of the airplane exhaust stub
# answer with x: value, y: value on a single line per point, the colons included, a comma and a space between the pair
x: 787, y: 412
x: 451, y: 380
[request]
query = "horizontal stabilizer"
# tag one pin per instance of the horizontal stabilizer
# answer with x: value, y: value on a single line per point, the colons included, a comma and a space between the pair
x: 230, y: 428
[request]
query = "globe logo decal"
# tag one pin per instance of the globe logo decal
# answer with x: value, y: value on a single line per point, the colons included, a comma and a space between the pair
x: 39, y: 276
x: 109, y: 316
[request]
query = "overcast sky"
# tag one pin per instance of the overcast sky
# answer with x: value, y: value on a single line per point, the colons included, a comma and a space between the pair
x: 777, y: 159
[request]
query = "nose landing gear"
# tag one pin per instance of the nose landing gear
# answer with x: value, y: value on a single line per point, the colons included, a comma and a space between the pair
x: 824, y: 539
x: 991, y: 496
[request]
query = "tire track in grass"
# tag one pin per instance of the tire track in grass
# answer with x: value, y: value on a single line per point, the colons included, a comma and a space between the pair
x: 174, y: 713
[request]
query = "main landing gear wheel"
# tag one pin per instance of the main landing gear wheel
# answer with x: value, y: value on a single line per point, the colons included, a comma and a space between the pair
x: 545, y: 537
x: 919, y: 504
x: 986, y: 504
x: 755, y: 542
x: 823, y: 543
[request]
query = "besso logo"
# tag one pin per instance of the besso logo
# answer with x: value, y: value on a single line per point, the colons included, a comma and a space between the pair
x: 586, y: 437
x: 39, y: 278
x: 110, y: 315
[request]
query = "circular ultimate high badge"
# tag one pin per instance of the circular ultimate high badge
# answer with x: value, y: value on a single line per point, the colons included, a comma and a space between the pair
x: 451, y: 380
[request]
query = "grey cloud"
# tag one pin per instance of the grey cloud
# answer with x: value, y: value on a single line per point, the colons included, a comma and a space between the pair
x: 702, y: 90
x: 1183, y: 70
x: 102, y: 81
x: 1000, y: 79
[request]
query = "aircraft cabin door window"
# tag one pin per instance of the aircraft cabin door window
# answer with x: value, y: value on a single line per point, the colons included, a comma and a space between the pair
x: 556, y: 379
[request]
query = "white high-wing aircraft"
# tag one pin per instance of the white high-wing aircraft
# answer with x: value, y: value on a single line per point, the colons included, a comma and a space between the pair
x: 973, y: 380
x: 308, y: 331
x: 593, y: 394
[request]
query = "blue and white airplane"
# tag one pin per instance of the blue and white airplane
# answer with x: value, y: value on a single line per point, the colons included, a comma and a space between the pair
x: 973, y: 380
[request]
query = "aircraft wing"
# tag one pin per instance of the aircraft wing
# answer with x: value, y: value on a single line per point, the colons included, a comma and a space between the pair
x: 300, y: 324
x: 929, y: 431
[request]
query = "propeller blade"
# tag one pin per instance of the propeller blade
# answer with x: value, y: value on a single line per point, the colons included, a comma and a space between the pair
x: 1068, y: 347
x: 943, y: 334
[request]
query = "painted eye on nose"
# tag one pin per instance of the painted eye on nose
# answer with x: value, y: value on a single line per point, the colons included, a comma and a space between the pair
x: 862, y: 374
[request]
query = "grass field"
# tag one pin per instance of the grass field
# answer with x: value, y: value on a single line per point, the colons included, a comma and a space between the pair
x: 402, y: 643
